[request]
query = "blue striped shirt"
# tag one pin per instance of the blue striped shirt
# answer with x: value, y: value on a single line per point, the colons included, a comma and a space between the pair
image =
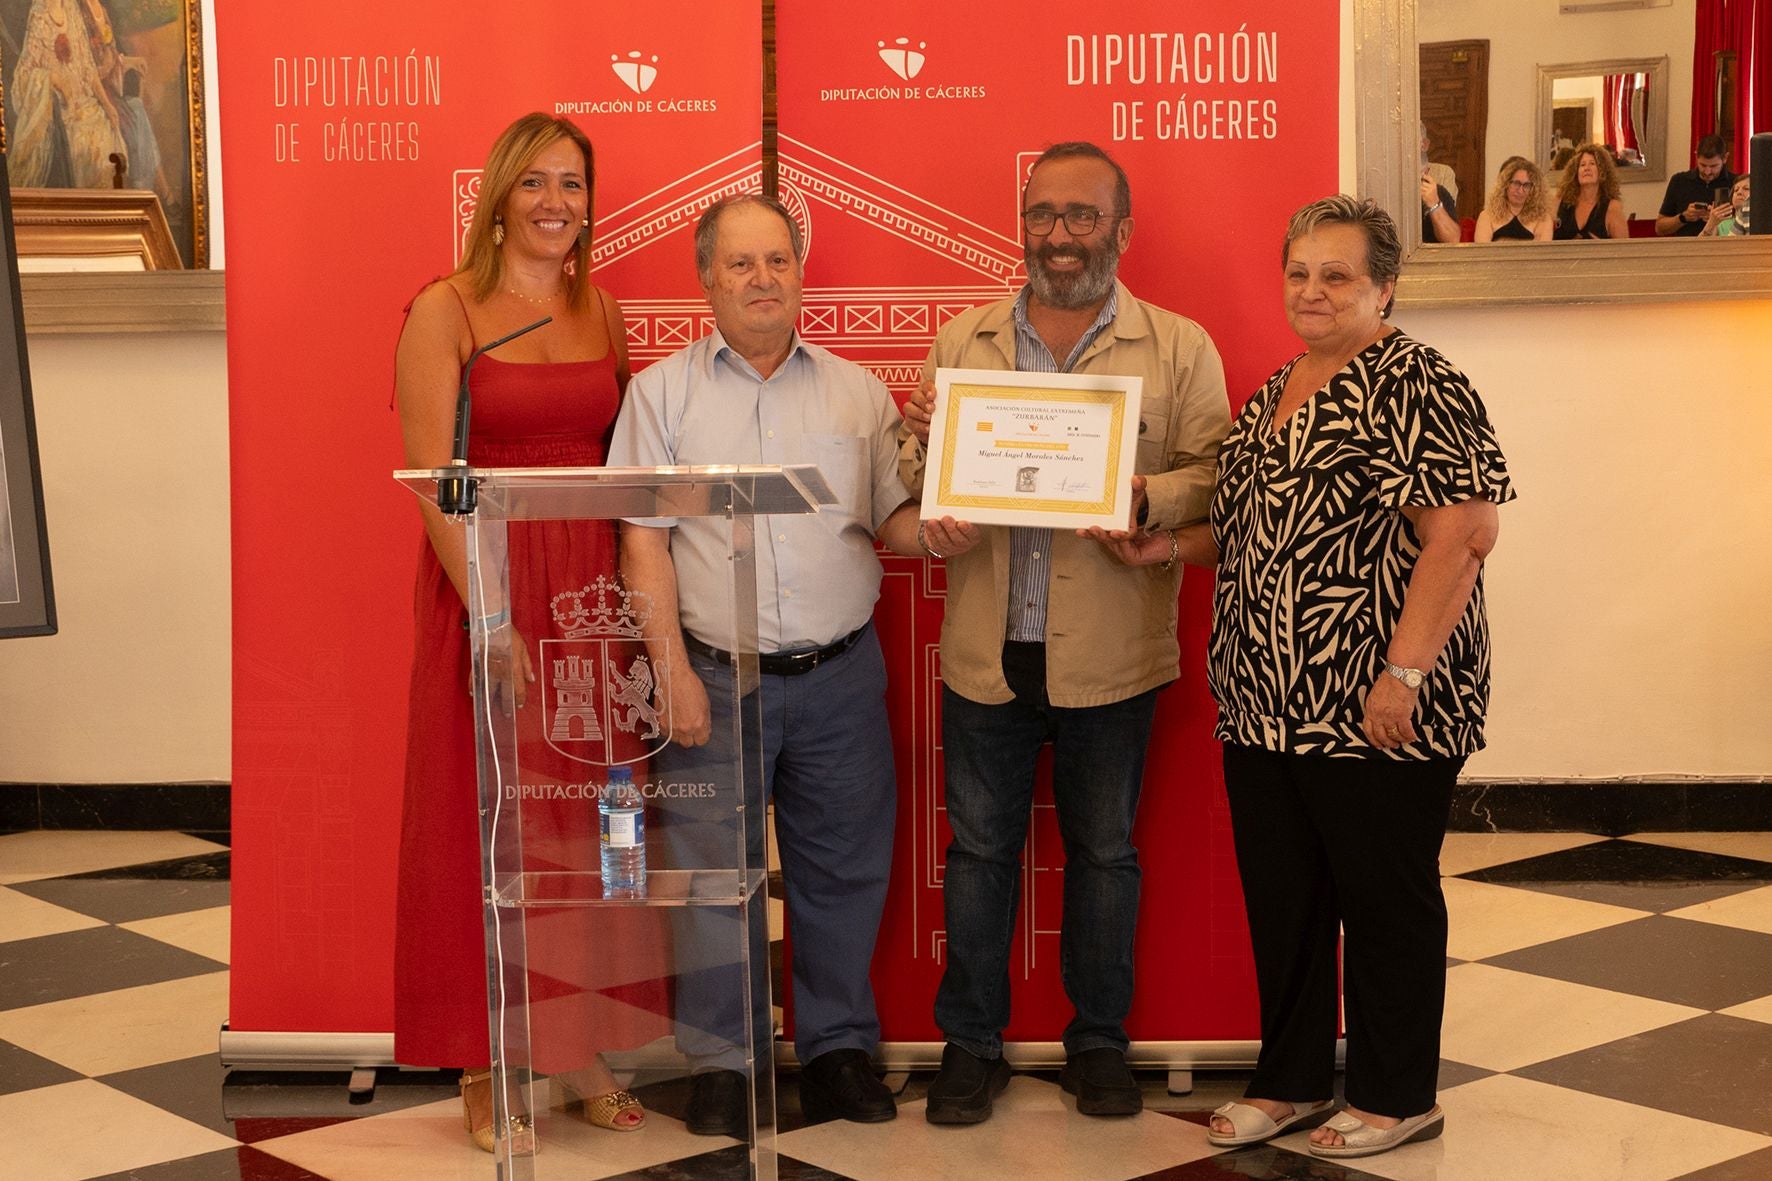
x: 1030, y: 549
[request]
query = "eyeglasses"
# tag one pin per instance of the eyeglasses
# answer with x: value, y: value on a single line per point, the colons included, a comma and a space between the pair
x: 1078, y: 220
x: 1519, y: 184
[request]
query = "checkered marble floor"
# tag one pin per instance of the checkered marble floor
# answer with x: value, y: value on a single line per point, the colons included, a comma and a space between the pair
x: 1609, y: 1019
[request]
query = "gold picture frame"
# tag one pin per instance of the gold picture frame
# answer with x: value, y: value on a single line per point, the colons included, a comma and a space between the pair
x: 94, y: 224
x: 135, y: 71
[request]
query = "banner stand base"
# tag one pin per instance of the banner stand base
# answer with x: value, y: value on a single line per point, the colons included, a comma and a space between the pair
x: 273, y: 1050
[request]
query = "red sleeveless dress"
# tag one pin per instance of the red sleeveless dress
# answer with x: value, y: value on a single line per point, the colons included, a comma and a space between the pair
x: 581, y: 960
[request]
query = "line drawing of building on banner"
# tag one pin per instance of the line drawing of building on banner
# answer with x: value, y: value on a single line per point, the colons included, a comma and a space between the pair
x: 889, y: 330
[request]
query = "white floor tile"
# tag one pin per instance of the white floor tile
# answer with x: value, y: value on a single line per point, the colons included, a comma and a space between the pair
x: 1034, y: 1131
x: 1514, y: 1128
x: 1757, y: 845
x: 1751, y: 910
x: 1467, y: 851
x: 122, y: 1030
x: 1760, y: 1010
x: 28, y: 856
x: 86, y: 1129
x: 1487, y: 920
x: 428, y: 1144
x: 1500, y: 1019
x: 205, y: 932
x: 25, y: 917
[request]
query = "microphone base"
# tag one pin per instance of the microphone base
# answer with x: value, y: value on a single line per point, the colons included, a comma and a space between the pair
x: 458, y: 496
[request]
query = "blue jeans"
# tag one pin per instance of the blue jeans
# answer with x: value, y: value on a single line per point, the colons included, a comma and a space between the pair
x: 825, y: 756
x: 1098, y: 764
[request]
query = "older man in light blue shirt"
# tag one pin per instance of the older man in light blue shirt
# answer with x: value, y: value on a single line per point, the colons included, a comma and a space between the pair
x: 753, y: 392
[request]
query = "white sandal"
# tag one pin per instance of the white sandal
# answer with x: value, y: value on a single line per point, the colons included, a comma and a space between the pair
x: 1362, y: 1139
x: 1252, y: 1125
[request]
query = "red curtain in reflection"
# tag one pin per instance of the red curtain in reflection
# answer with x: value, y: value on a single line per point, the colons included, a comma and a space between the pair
x: 1623, y: 98
x: 1745, y: 27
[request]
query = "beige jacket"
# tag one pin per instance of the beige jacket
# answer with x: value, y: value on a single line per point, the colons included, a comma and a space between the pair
x: 1110, y: 628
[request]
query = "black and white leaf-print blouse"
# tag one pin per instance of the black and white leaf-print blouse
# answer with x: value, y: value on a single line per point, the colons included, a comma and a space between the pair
x: 1315, y: 559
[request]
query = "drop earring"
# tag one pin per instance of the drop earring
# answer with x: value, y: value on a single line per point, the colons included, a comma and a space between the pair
x: 584, y: 233
x: 498, y: 230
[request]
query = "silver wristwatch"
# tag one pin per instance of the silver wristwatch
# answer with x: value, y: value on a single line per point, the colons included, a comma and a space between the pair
x: 1412, y: 677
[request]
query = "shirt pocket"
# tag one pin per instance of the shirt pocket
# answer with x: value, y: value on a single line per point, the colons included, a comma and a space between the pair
x: 841, y: 459
x: 1153, y: 439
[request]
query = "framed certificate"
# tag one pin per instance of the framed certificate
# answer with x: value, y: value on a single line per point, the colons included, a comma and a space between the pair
x: 1044, y: 449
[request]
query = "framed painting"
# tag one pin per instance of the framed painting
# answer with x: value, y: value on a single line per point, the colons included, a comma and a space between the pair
x: 27, y: 598
x: 103, y: 94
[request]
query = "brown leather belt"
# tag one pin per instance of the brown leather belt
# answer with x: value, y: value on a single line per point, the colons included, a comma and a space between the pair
x: 782, y: 664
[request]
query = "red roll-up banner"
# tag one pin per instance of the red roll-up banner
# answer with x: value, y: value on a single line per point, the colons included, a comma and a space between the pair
x: 907, y: 129
x: 353, y: 135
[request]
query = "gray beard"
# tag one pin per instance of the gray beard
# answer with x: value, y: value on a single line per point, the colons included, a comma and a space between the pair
x: 1077, y: 290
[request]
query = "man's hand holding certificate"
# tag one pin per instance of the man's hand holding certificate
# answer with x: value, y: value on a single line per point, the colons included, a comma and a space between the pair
x: 1044, y: 449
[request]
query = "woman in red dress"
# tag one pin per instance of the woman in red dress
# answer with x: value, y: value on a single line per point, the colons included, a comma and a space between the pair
x: 548, y: 398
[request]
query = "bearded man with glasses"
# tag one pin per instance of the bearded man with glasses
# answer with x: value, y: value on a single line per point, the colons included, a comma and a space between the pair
x: 1049, y: 638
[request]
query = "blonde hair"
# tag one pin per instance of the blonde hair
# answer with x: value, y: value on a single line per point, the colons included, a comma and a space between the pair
x: 1570, y: 192
x: 482, y: 262
x: 1537, y: 202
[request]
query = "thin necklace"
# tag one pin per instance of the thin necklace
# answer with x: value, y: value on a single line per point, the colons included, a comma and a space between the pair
x: 533, y: 299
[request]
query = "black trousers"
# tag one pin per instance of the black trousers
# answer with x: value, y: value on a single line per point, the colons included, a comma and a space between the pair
x: 1350, y: 845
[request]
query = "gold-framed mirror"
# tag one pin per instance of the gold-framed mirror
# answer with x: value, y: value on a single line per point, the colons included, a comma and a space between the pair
x: 1387, y: 106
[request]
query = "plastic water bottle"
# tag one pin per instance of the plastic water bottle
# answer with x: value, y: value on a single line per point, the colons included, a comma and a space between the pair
x: 622, y: 821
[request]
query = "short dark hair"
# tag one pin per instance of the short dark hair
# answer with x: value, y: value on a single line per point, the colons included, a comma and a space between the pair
x: 1075, y: 149
x: 708, y: 228
x: 1712, y: 147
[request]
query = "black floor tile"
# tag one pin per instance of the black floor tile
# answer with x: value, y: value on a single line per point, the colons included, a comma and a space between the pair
x: 1625, y: 861
x: 80, y: 963
x: 727, y: 1164
x: 206, y: 867
x: 1755, y: 1166
x: 116, y: 900
x: 229, y: 1164
x: 1261, y: 1162
x: 1688, y: 963
x: 21, y: 1070
x: 1714, y: 1068
x: 265, y: 1104
x: 1456, y: 1074
x: 1656, y: 897
x: 190, y: 1088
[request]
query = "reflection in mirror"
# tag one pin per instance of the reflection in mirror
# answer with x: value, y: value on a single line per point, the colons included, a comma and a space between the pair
x: 1599, y: 108
x: 1391, y: 105
x: 1621, y: 104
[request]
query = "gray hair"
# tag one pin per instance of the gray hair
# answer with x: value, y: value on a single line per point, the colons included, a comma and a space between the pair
x: 1384, y: 253
x: 708, y: 228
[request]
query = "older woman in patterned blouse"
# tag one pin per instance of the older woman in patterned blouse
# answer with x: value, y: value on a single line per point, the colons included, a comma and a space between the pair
x: 1356, y: 501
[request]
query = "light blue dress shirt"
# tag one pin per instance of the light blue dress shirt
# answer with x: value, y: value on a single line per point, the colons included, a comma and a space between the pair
x: 818, y: 576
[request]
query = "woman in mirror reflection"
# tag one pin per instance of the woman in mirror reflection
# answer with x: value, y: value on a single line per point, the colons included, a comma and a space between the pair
x: 1518, y: 209
x: 1588, y: 204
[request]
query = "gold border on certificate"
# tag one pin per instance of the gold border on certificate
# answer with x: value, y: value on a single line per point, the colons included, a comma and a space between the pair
x: 985, y: 464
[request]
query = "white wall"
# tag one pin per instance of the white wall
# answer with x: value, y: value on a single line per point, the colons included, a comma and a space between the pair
x: 1524, y: 34
x: 1628, y: 594
x: 133, y: 437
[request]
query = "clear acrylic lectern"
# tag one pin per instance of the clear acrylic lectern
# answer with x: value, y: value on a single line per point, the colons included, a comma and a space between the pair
x: 573, y: 667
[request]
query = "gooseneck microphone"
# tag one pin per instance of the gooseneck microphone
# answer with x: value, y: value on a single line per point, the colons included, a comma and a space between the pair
x: 458, y: 495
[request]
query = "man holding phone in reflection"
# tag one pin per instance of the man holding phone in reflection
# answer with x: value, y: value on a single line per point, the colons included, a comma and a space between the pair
x: 1691, y: 194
